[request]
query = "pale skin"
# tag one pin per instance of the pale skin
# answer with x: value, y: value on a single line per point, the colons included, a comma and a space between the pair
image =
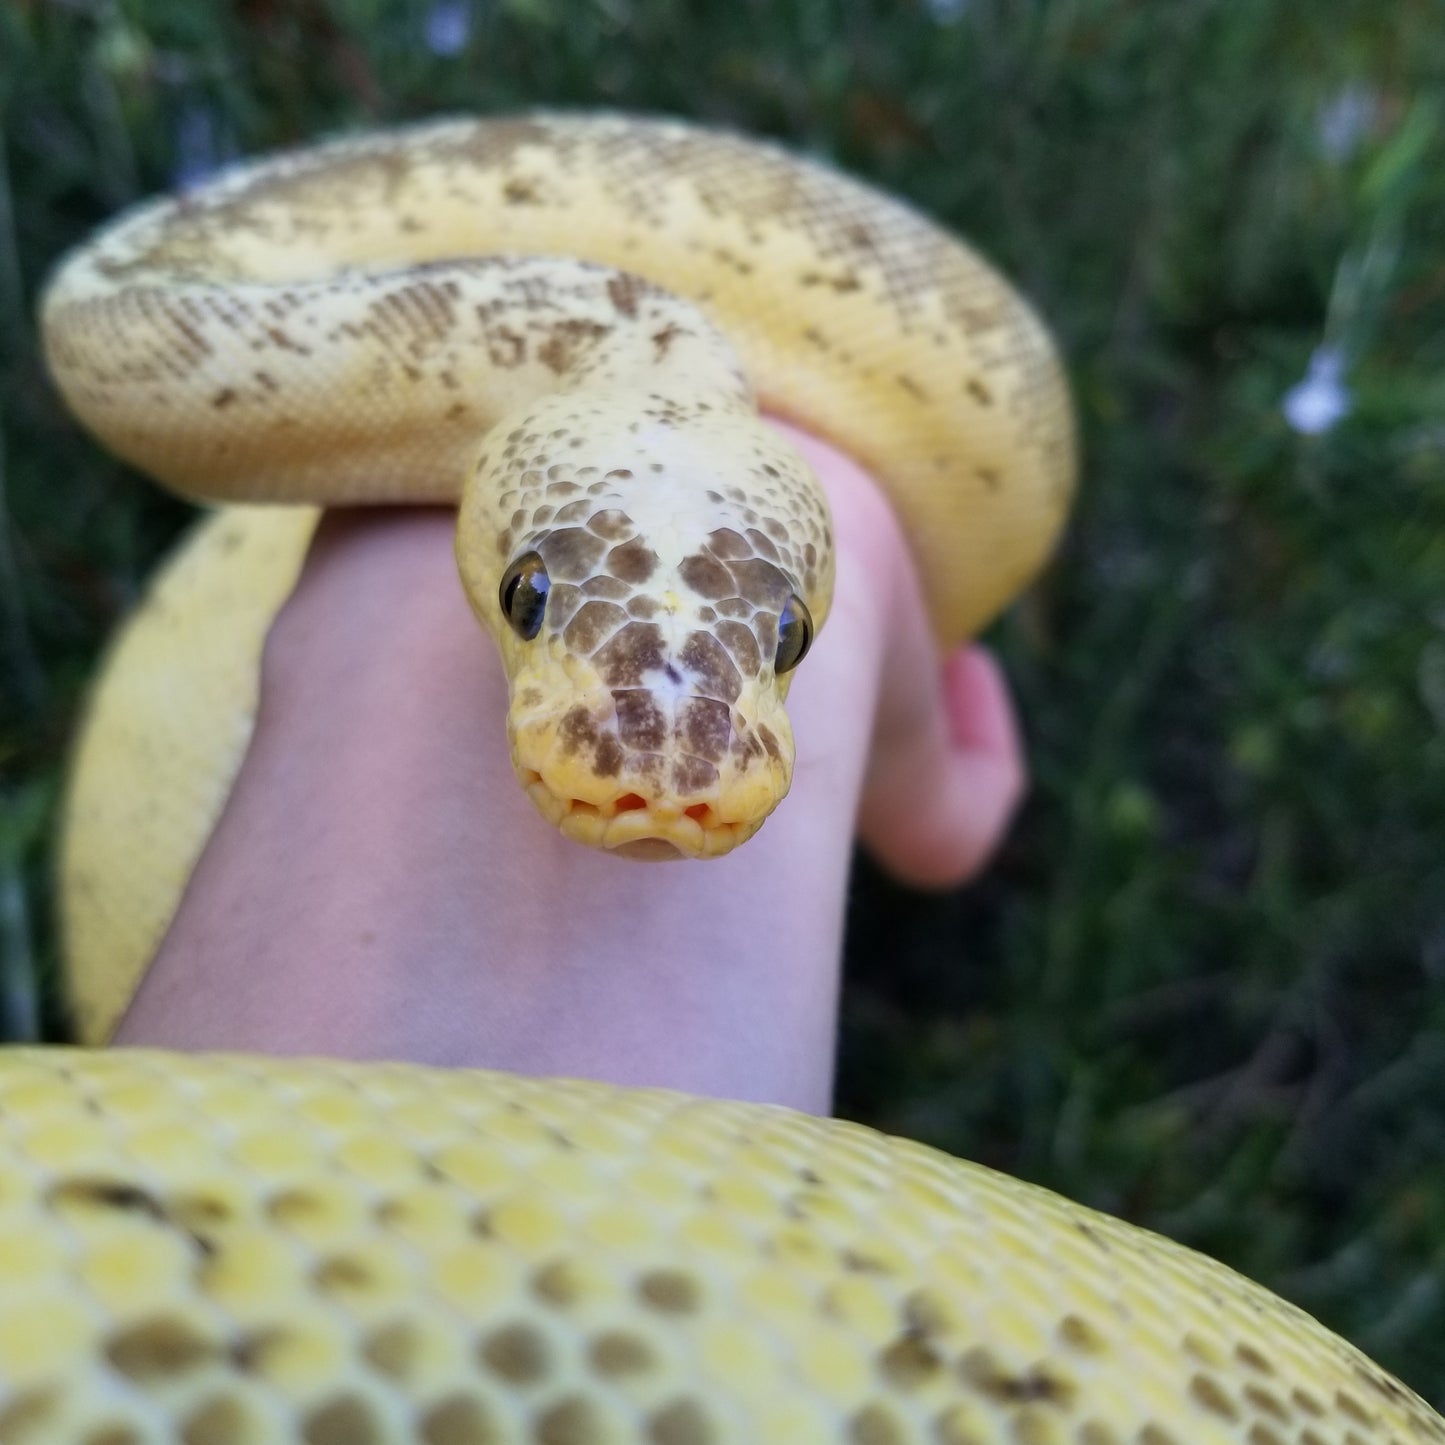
x: 380, y: 887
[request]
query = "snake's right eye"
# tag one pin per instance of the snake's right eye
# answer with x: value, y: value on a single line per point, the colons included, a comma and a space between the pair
x: 795, y: 635
x: 524, y: 594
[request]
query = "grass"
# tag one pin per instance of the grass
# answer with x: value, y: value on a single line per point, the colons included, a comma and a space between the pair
x: 1204, y: 986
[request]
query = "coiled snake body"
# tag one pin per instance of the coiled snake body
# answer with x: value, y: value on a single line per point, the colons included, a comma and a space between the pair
x: 236, y: 1249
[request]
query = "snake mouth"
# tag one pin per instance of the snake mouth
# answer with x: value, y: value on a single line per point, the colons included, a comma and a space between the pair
x: 633, y: 827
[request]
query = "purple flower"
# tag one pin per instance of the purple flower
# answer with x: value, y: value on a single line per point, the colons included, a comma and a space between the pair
x: 448, y: 24
x: 1315, y: 403
x: 1342, y: 121
x: 199, y: 149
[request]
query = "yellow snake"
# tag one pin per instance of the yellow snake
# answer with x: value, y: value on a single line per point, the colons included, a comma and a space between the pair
x: 218, y: 1250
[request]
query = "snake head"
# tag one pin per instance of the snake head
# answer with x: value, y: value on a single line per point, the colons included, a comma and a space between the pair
x: 650, y: 608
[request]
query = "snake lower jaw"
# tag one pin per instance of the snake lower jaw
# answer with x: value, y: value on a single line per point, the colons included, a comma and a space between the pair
x: 632, y: 827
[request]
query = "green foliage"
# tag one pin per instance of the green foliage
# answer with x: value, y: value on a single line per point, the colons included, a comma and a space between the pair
x: 1204, y: 986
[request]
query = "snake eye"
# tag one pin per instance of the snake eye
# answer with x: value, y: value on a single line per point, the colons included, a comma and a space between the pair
x: 524, y: 594
x: 795, y: 635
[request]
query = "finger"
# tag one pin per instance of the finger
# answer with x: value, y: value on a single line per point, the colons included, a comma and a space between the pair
x: 979, y: 705
x: 947, y: 777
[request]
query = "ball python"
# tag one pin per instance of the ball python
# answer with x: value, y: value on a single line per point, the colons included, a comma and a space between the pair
x: 564, y: 325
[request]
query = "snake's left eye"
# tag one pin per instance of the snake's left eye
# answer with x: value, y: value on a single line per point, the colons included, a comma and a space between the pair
x: 795, y: 635
x: 523, y: 594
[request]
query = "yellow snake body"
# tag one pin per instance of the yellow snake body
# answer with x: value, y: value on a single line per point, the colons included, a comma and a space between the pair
x: 220, y: 1251
x: 305, y: 331
x: 237, y: 1250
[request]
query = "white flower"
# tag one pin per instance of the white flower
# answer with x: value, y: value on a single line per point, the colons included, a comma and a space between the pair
x: 945, y: 12
x: 1314, y: 404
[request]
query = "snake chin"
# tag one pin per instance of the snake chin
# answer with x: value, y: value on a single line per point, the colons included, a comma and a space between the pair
x: 632, y: 827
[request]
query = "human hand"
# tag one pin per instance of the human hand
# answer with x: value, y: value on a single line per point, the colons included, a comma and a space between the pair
x: 945, y: 769
x: 378, y: 884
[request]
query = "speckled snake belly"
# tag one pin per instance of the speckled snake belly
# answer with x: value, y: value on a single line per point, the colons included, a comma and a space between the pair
x: 564, y: 325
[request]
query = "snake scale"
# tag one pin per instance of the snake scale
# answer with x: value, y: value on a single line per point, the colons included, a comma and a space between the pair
x: 563, y: 325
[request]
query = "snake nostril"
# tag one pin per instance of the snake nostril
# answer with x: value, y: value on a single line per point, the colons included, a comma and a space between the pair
x: 630, y: 803
x: 700, y: 812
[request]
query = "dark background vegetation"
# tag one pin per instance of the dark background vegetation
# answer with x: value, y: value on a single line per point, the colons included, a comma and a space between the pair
x: 1204, y: 985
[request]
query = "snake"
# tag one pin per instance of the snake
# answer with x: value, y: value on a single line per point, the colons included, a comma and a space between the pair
x: 565, y: 326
